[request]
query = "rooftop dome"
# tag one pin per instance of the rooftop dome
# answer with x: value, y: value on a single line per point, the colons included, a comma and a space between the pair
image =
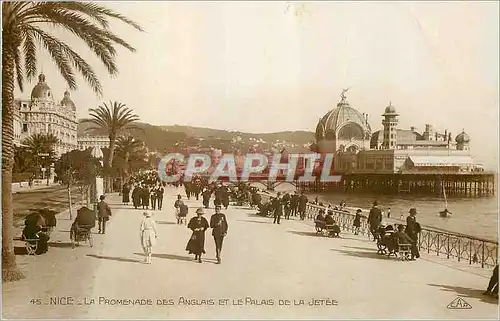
x: 67, y: 102
x: 330, y: 125
x: 390, y: 109
x: 41, y: 90
x: 462, y: 138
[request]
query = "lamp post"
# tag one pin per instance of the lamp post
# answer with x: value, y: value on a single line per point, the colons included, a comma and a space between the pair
x: 45, y: 172
x: 99, y: 182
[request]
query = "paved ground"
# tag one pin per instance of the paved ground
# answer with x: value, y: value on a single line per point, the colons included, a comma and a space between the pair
x: 262, y: 263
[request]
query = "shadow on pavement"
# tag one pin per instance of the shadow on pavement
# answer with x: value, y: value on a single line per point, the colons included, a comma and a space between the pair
x: 170, y: 257
x: 467, y: 293
x: 360, y: 248
x: 306, y: 233
x: 59, y: 244
x: 67, y: 231
x: 166, y: 222
x: 114, y: 258
x: 260, y: 222
x: 20, y: 250
x: 369, y: 255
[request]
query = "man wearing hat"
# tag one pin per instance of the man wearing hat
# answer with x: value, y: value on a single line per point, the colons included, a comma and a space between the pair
x: 374, y: 219
x: 412, y: 230
x: 196, y: 244
x: 278, y: 208
x: 218, y: 223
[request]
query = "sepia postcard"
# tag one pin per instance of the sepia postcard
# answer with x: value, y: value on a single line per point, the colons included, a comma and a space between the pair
x: 250, y: 160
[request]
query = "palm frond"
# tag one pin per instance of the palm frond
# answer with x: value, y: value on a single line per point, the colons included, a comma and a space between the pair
x: 19, y: 68
x: 29, y: 51
x: 55, y: 48
x: 99, y: 13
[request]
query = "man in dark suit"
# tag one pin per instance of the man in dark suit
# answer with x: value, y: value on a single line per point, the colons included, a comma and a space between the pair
x: 374, y: 219
x: 413, y: 228
x: 278, y: 208
x: 103, y: 214
x: 302, y: 205
x: 286, y: 204
x: 218, y: 223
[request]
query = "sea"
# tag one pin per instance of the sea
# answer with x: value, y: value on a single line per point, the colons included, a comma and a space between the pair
x: 477, y: 217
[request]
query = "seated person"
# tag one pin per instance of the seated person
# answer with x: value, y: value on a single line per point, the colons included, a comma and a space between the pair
x: 84, y: 217
x: 33, y: 231
x: 329, y: 219
x: 321, y: 215
x: 34, y: 219
x: 335, y: 232
x: 403, y: 238
x: 49, y: 216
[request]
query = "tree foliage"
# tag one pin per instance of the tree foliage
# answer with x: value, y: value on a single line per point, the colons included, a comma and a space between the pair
x: 77, y: 168
x: 23, y: 35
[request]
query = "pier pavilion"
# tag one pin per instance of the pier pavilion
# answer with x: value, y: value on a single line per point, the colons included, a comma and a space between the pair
x: 395, y: 160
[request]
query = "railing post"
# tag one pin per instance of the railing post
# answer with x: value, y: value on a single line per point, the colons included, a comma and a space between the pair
x: 428, y: 242
x: 482, y: 254
x: 437, y: 247
x: 470, y: 252
x: 448, y: 248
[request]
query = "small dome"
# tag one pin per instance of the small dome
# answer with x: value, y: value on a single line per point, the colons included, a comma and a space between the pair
x: 390, y: 109
x: 67, y: 102
x: 41, y: 90
x: 462, y: 138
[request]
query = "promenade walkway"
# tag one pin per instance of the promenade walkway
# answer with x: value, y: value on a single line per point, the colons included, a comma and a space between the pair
x: 262, y: 262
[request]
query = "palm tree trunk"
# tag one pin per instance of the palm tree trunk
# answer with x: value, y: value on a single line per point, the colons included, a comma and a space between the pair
x: 109, y: 187
x: 10, y: 271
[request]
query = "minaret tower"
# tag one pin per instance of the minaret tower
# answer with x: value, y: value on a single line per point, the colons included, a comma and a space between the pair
x: 390, y: 122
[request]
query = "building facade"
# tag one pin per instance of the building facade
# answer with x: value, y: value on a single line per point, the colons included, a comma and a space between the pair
x: 42, y: 114
x: 345, y: 132
x: 88, y: 141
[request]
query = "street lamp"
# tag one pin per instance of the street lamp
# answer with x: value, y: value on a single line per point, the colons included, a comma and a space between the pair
x: 99, y: 182
x: 44, y: 169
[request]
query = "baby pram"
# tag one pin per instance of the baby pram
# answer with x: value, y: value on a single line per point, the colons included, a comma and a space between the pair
x: 182, y: 212
x: 81, y: 230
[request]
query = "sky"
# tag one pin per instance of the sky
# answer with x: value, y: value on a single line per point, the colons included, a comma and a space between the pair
x: 275, y: 66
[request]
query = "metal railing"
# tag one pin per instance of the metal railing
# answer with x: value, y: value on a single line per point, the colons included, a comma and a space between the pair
x: 463, y: 248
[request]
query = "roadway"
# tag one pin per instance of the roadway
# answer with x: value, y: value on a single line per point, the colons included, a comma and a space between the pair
x: 263, y: 263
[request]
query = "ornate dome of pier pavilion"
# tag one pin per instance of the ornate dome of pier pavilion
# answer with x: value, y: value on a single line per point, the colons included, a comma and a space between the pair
x: 342, y: 126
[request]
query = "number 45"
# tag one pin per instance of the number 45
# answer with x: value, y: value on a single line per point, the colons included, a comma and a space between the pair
x: 36, y: 301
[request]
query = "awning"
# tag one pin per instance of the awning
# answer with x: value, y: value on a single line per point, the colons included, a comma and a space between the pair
x: 441, y: 161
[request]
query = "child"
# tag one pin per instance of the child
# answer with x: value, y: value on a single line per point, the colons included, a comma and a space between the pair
x: 148, y: 236
x: 357, y: 221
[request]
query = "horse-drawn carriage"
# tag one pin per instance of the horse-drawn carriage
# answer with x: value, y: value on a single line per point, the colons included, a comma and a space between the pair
x: 81, y: 229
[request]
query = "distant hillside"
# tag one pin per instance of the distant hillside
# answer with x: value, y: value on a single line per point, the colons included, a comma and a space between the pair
x: 164, y: 137
x: 297, y: 137
x: 154, y: 137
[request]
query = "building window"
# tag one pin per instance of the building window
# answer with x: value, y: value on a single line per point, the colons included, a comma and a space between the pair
x: 25, y: 128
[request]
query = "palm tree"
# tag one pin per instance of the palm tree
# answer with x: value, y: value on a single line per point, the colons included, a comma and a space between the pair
x: 125, y: 147
x: 41, y: 146
x: 114, y: 119
x: 22, y: 36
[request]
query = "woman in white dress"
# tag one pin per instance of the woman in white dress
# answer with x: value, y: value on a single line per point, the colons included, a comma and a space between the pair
x: 148, y: 236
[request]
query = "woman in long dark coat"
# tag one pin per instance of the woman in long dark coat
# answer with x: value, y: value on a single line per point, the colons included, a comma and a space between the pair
x: 145, y: 197
x: 137, y: 196
x: 196, y: 244
x: 125, y: 193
